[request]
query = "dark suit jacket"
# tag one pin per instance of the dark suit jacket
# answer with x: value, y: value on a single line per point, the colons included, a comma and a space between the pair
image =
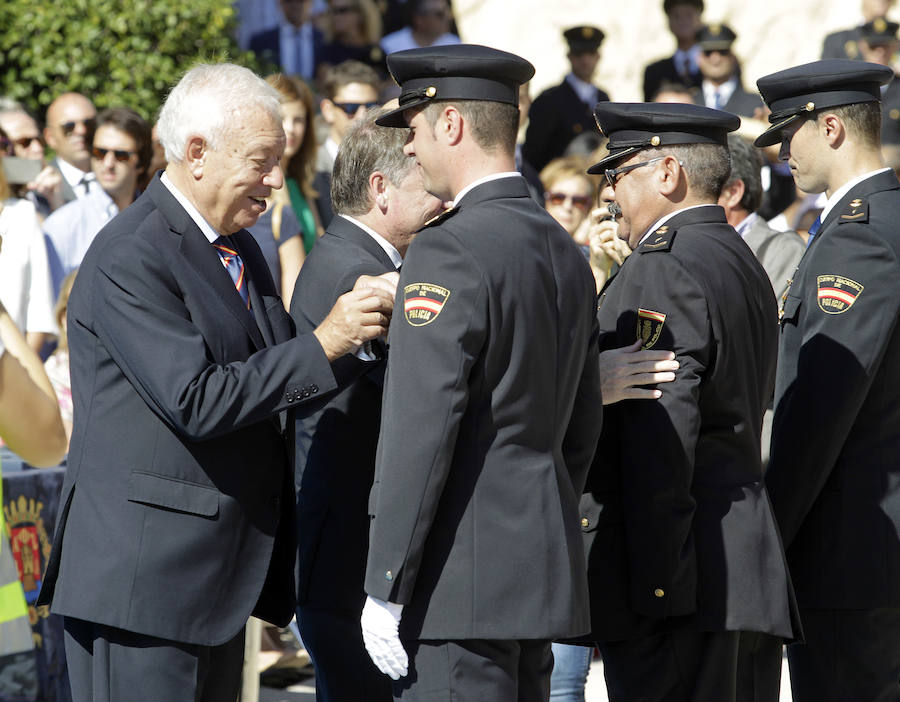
x: 890, y: 113
x: 556, y: 117
x: 267, y: 45
x: 490, y: 418
x: 177, y: 506
x: 740, y: 103
x: 842, y: 44
x: 678, y: 529
x: 336, y: 445
x: 836, y: 434
x: 664, y: 71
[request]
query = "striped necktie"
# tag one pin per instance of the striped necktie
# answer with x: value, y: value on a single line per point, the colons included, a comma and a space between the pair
x: 234, y: 265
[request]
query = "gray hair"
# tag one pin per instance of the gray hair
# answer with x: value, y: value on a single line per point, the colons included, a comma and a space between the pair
x: 746, y: 165
x: 707, y: 166
x: 209, y: 98
x: 367, y: 148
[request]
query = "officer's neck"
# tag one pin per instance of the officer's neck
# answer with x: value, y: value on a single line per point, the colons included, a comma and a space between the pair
x: 855, y: 162
x: 476, y: 164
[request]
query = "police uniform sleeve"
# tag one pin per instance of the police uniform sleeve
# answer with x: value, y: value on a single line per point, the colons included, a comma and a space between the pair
x: 835, y: 332
x: 659, y: 438
x: 438, y: 328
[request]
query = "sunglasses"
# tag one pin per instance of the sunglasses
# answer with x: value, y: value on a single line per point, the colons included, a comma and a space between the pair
x: 25, y: 142
x: 581, y: 202
x: 710, y: 52
x: 613, y: 174
x: 69, y: 127
x: 119, y: 154
x: 345, y: 10
x: 351, y: 108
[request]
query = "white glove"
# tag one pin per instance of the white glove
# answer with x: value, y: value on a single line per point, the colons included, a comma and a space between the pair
x: 380, y: 621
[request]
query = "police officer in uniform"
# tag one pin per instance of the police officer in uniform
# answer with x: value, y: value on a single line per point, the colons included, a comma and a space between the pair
x: 563, y: 113
x: 683, y: 552
x: 878, y: 44
x: 491, y: 406
x: 833, y: 470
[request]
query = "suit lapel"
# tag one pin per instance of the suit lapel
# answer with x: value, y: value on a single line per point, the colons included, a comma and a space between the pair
x: 347, y: 230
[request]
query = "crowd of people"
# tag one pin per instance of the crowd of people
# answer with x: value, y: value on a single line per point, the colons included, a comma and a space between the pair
x: 608, y: 321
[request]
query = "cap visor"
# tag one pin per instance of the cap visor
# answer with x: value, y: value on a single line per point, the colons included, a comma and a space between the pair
x: 773, y: 134
x: 612, y: 160
x: 395, y: 118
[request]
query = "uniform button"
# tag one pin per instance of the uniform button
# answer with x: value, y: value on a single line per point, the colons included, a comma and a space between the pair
x: 290, y: 398
x: 585, y: 522
x: 389, y: 576
x: 305, y: 393
x: 659, y: 592
x: 314, y: 388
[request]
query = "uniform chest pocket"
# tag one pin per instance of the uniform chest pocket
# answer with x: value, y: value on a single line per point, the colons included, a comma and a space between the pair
x: 789, y: 308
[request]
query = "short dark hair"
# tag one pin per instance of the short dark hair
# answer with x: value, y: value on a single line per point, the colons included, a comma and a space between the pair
x: 669, y: 5
x: 746, y: 166
x: 862, y: 120
x: 127, y: 120
x: 367, y: 148
x: 494, y: 125
x: 345, y: 73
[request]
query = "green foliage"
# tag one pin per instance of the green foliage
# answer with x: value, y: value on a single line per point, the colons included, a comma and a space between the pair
x: 117, y: 52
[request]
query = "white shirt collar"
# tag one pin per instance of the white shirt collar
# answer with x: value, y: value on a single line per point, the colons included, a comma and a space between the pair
x: 72, y: 175
x: 388, y: 247
x: 331, y: 146
x: 493, y: 176
x: 586, y: 92
x: 192, y: 211
x: 844, y: 189
x: 725, y: 91
x: 665, y: 218
x: 692, y: 55
x: 745, y: 224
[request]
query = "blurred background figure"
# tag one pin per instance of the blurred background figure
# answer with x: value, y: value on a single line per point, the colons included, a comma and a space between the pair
x: 57, y: 365
x: 675, y: 92
x: 845, y: 43
x: 721, y: 87
x: 683, y: 66
x: 430, y: 23
x: 353, y: 31
x: 569, y: 194
x: 295, y: 44
x: 71, y: 120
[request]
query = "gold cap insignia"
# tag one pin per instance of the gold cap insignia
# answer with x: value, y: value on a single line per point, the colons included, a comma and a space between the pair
x: 894, y: 113
x: 880, y: 25
x: 430, y: 91
x: 587, y: 32
x: 655, y: 141
x: 715, y: 29
x: 810, y: 106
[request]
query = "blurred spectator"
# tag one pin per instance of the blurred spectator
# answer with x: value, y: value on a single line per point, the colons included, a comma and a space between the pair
x: 353, y: 31
x: 569, y: 194
x: 845, y: 43
x: 294, y: 45
x: 298, y: 162
x: 120, y: 157
x: 24, y: 274
x: 684, y: 65
x: 564, y: 112
x: 394, y: 14
x: 25, y: 141
x: 57, y: 365
x: 721, y: 87
x: 158, y: 161
x: 674, y: 92
x: 878, y: 43
x: 71, y: 120
x: 348, y: 90
x: 535, y: 187
x: 429, y: 25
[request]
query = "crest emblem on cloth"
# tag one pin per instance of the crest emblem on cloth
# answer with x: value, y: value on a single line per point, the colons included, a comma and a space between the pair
x: 423, y: 302
x: 836, y: 294
x: 649, y: 326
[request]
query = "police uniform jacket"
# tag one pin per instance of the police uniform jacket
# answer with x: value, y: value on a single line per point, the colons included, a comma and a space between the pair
x: 678, y: 529
x: 836, y: 434
x: 843, y: 44
x: 556, y: 117
x: 890, y: 116
x: 336, y: 445
x: 177, y: 508
x: 490, y: 418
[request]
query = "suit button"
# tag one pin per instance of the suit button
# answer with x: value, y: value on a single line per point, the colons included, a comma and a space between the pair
x: 305, y: 394
x: 389, y: 576
x: 585, y: 522
x: 314, y: 388
x: 290, y: 398
x: 659, y: 592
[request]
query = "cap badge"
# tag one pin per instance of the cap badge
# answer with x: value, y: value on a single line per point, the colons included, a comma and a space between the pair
x: 430, y: 91
x: 655, y: 141
x: 836, y: 294
x: 587, y: 32
x: 649, y: 326
x: 880, y: 25
x: 810, y: 106
x: 715, y: 29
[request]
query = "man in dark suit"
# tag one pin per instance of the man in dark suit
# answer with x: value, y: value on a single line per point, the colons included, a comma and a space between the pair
x: 295, y: 45
x: 491, y: 406
x: 721, y: 87
x: 683, y: 66
x: 683, y: 552
x: 177, y: 518
x: 71, y: 119
x: 562, y: 113
x: 836, y: 434
x: 380, y: 204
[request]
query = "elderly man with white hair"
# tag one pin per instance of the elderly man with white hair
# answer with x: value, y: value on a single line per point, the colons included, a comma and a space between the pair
x: 177, y: 516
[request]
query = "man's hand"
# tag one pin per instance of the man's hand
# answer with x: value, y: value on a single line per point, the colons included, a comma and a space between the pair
x: 48, y: 184
x: 358, y: 316
x: 623, y: 370
x: 380, y: 622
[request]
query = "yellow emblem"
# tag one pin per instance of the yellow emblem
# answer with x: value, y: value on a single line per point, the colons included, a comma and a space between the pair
x: 30, y: 546
x: 649, y: 326
x: 880, y: 25
x: 587, y: 32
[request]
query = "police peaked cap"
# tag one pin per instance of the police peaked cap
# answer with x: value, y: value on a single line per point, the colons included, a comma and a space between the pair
x: 631, y: 127
x: 800, y: 90
x: 455, y: 72
x: 716, y: 37
x: 583, y: 39
x: 879, y: 31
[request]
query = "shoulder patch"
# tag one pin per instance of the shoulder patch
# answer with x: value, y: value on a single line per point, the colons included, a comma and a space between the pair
x: 836, y: 294
x: 438, y: 218
x: 857, y: 210
x: 660, y: 240
x: 423, y: 302
x: 649, y: 326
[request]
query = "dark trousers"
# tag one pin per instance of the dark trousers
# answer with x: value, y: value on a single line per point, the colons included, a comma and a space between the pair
x: 344, y: 671
x: 111, y: 665
x: 760, y: 657
x: 679, y: 666
x: 848, y: 655
x: 476, y: 670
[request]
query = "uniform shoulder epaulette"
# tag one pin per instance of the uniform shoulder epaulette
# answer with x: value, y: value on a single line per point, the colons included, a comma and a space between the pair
x: 857, y: 210
x: 660, y: 240
x: 442, y: 217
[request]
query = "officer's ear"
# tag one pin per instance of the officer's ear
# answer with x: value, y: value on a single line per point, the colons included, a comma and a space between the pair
x: 832, y: 128
x: 452, y: 125
x: 672, y: 176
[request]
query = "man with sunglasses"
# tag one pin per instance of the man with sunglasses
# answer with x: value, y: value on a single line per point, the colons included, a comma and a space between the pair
x: 721, y: 87
x: 683, y: 551
x: 120, y: 155
x: 71, y: 120
x: 25, y: 141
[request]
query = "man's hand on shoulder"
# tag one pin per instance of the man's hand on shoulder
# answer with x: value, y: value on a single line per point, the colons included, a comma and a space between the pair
x: 624, y: 370
x: 358, y: 316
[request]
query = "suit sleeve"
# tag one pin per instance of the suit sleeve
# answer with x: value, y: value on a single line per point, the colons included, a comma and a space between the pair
x: 147, y: 328
x: 840, y: 350
x: 580, y: 442
x: 658, y: 441
x: 426, y: 395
